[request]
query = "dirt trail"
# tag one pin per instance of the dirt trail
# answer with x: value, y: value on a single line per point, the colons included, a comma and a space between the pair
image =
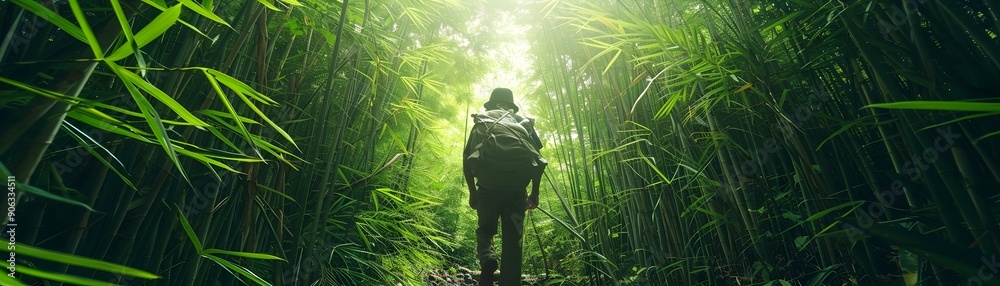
x: 461, y: 276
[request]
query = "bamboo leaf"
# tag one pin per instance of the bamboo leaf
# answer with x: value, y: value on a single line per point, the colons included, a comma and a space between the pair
x: 79, y: 261
x: 129, y: 37
x: 205, y: 159
x: 91, y: 39
x: 711, y: 213
x: 239, y: 86
x: 218, y: 114
x: 823, y: 213
x: 243, y: 254
x: 781, y: 282
x: 190, y: 232
x: 221, y: 95
x: 940, y: 105
x: 963, y: 118
x: 238, y: 269
x: 150, y: 32
x: 7, y: 280
x: 151, y: 116
x: 564, y: 225
x: 54, y: 276
x: 988, y: 135
x: 842, y: 129
x: 743, y: 88
x: 42, y: 193
x: 821, y: 276
x: 95, y: 119
x: 269, y: 189
x: 215, y: 132
x: 42, y: 92
x: 612, y: 61
x: 241, y: 91
x: 782, y: 20
x: 268, y: 4
x: 822, y: 233
x: 652, y: 165
x: 203, y: 12
x: 76, y: 133
x: 668, y: 107
x: 162, y: 6
x: 165, y: 99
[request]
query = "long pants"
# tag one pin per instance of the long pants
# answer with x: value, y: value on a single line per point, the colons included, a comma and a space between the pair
x: 508, y: 208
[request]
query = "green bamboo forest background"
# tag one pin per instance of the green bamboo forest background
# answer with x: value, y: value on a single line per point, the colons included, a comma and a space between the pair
x: 693, y: 142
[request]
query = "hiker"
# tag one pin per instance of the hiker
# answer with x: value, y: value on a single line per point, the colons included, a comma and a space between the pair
x: 500, y: 159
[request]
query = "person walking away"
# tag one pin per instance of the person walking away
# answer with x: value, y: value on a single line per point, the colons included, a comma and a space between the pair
x: 500, y: 159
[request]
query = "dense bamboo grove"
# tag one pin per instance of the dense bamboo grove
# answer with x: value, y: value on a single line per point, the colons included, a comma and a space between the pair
x: 692, y: 142
x: 776, y: 142
x: 254, y: 141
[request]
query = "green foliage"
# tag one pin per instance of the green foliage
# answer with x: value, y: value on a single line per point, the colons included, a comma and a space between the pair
x: 740, y: 131
x: 67, y: 259
x: 215, y: 111
x: 210, y: 254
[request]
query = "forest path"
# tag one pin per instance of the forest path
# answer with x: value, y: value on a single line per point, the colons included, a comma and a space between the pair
x: 462, y: 276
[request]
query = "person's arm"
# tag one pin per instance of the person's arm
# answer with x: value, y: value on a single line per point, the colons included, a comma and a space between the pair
x: 470, y: 178
x: 532, y: 201
x: 535, y: 140
x: 536, y: 180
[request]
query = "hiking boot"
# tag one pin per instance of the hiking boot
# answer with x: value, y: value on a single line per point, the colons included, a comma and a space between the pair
x: 487, y: 278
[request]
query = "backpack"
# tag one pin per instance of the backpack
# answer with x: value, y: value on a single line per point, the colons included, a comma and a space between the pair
x: 506, y: 154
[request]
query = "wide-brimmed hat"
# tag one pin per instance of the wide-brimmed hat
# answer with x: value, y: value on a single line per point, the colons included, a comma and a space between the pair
x: 501, y: 95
